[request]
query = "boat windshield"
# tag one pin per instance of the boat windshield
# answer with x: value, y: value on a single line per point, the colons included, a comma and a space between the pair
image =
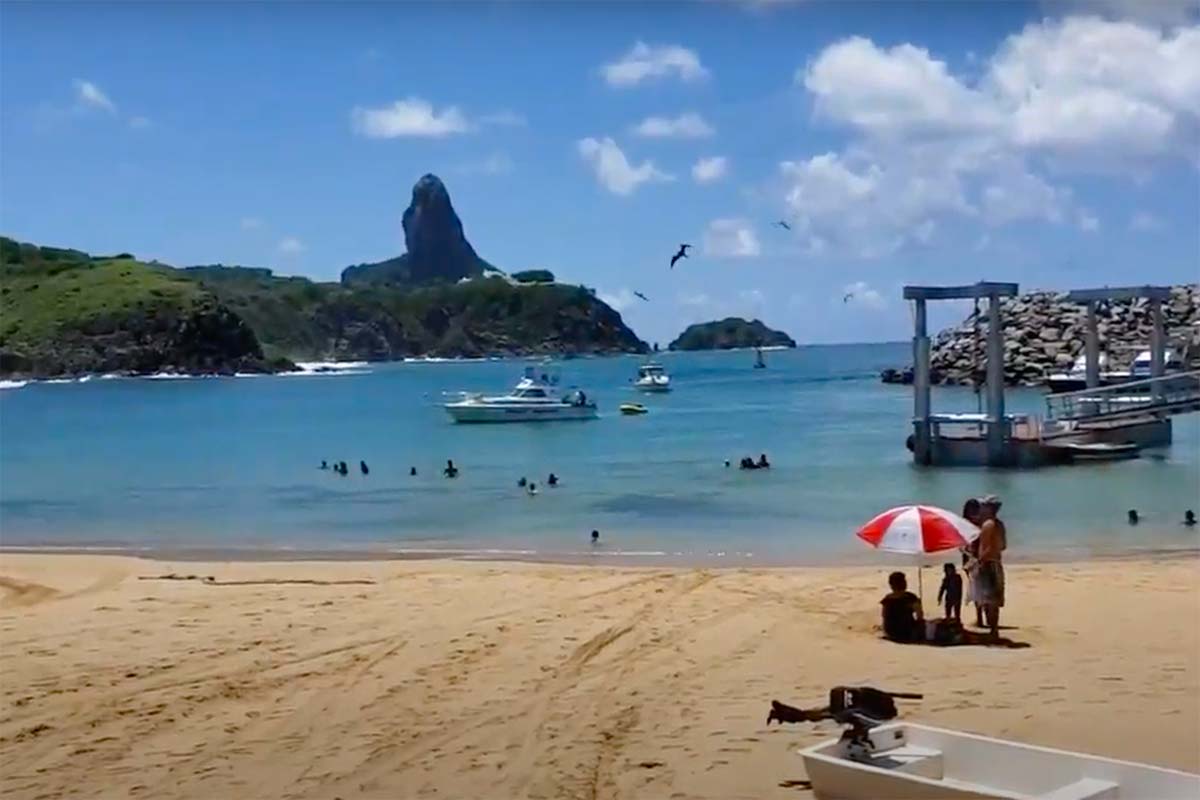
x: 651, y: 369
x: 532, y: 392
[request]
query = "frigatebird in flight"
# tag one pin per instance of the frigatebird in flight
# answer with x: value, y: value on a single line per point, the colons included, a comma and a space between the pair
x: 846, y: 298
x: 783, y: 225
x: 683, y: 248
x: 639, y: 294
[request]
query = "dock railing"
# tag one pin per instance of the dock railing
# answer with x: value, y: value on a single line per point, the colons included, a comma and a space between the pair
x: 1176, y: 393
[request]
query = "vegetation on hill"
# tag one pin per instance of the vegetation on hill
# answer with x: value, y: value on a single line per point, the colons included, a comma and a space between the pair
x: 730, y: 333
x: 534, y: 276
x: 65, y: 312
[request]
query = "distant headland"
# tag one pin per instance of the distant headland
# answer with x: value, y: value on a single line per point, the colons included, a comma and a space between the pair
x: 728, y: 334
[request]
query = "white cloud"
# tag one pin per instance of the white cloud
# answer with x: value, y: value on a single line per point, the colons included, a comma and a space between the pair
x: 860, y: 295
x: 1073, y: 95
x: 688, y: 125
x: 731, y: 238
x: 620, y: 300
x: 1143, y: 221
x: 698, y: 300
x: 290, y: 246
x: 251, y: 223
x: 89, y: 95
x: 707, y: 170
x: 613, y: 169
x: 410, y: 117
x: 505, y: 118
x: 645, y: 62
x: 1157, y: 12
x: 495, y: 164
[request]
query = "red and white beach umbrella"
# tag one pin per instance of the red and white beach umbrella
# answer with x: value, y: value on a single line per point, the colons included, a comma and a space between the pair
x: 917, y: 530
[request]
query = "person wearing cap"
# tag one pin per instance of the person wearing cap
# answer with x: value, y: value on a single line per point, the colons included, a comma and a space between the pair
x: 993, y: 541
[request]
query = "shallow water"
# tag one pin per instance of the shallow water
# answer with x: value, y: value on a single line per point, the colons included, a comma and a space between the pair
x: 232, y: 463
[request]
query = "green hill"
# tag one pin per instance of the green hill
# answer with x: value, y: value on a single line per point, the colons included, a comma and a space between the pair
x: 729, y: 333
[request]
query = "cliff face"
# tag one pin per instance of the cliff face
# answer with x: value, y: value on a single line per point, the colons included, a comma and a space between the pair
x: 1044, y: 334
x: 730, y: 333
x: 438, y: 251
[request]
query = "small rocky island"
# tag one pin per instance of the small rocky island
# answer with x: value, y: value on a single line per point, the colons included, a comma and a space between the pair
x: 728, y: 334
x: 1044, y: 334
x: 66, y: 312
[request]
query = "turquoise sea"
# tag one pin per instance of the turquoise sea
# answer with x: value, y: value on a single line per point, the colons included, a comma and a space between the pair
x: 232, y: 463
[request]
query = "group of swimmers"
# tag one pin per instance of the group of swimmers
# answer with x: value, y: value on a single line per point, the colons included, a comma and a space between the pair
x: 1189, y: 517
x: 531, y: 488
x: 748, y: 462
x: 341, y: 469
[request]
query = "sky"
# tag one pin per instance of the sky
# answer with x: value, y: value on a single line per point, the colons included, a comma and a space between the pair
x: 1055, y: 144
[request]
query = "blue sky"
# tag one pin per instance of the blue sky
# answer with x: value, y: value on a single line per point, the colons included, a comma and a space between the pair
x: 1053, y: 144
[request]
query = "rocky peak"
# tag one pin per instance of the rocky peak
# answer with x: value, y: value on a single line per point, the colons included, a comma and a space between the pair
x: 438, y: 251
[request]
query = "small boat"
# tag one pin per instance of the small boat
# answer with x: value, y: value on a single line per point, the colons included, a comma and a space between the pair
x: 759, y: 363
x: 1076, y: 378
x: 652, y: 378
x: 536, y: 398
x: 911, y: 761
x: 632, y: 409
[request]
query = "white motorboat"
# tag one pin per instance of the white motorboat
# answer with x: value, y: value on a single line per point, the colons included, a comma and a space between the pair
x: 1076, y: 378
x: 536, y: 398
x: 902, y: 760
x: 652, y: 378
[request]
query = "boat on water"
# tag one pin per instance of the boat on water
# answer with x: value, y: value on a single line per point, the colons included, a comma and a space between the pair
x: 903, y: 760
x: 652, y: 377
x: 535, y: 398
x: 633, y: 409
x: 1076, y: 378
x: 759, y: 363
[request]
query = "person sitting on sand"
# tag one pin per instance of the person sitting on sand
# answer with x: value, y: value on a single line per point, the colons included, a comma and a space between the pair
x: 1189, y: 518
x: 903, y: 620
x: 951, y: 592
x: 450, y: 471
x: 362, y: 465
x: 762, y: 461
x: 552, y: 480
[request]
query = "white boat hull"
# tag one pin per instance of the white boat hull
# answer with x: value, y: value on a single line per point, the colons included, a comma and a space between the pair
x: 653, y: 386
x: 916, y: 762
x: 477, y: 412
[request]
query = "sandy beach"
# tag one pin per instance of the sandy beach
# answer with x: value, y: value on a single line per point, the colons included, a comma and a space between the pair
x: 394, y: 679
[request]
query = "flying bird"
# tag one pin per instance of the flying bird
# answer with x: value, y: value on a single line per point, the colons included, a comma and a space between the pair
x: 847, y: 297
x: 783, y: 225
x: 683, y: 248
x: 639, y: 294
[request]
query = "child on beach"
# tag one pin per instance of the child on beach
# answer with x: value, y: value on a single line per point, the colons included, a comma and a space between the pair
x: 952, y: 592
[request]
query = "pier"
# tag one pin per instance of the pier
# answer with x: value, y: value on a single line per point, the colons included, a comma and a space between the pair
x: 1092, y: 423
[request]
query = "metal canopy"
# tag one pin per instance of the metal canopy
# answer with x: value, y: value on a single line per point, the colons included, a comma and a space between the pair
x: 1119, y: 293
x: 981, y: 289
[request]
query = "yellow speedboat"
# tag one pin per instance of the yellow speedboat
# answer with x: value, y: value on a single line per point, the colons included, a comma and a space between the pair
x: 631, y: 409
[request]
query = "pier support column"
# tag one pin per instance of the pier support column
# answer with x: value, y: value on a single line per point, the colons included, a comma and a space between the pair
x: 996, y: 422
x: 1092, y: 353
x: 1158, y: 345
x: 921, y: 433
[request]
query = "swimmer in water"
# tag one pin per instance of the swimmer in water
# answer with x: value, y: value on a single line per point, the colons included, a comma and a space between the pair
x: 412, y: 471
x: 362, y: 465
x: 324, y: 464
x: 522, y: 483
x: 450, y: 471
x: 552, y: 480
x: 532, y: 488
x: 1189, y: 518
x: 1133, y: 516
x: 595, y: 537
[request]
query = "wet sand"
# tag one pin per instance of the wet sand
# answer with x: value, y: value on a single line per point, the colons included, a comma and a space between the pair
x: 396, y: 679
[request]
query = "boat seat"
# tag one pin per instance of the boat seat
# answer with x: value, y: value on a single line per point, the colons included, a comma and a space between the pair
x: 911, y: 759
x: 1084, y: 789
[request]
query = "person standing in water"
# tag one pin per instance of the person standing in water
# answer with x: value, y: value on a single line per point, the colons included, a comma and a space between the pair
x: 450, y: 471
x: 362, y: 465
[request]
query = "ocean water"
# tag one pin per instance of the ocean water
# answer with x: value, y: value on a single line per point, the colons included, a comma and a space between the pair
x: 233, y: 464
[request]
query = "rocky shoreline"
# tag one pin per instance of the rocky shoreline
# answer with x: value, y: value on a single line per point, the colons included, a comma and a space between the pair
x: 1044, y: 334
